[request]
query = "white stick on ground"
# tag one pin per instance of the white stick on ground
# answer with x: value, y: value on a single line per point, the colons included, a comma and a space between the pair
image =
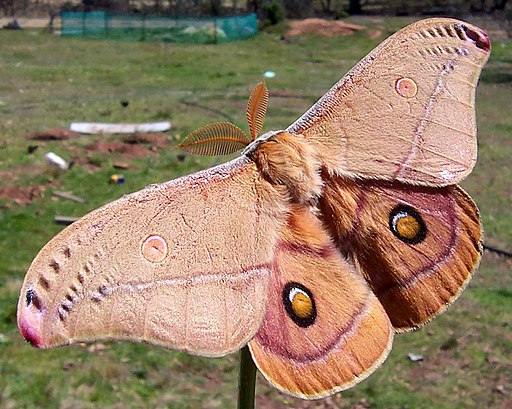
x: 105, y: 128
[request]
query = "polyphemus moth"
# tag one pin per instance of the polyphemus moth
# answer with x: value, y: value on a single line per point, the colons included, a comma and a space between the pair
x: 314, y: 246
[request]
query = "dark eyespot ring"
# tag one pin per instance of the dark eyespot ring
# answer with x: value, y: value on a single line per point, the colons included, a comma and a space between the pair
x: 299, y: 304
x: 407, y: 224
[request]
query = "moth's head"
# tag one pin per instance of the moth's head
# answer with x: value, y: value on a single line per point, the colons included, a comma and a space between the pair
x: 288, y: 160
x: 268, y: 136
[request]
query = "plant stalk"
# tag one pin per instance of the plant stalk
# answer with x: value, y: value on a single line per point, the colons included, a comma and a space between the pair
x: 246, y: 380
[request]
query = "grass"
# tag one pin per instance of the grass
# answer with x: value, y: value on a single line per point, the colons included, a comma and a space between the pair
x: 48, y: 82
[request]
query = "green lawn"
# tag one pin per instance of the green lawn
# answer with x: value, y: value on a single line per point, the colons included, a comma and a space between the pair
x: 47, y: 82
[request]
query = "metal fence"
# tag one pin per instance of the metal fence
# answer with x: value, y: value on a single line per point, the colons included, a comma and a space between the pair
x: 206, y: 30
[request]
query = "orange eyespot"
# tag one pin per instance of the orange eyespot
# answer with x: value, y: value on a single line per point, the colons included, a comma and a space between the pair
x: 406, y: 87
x: 299, y: 304
x: 302, y: 305
x: 154, y: 248
x: 407, y: 225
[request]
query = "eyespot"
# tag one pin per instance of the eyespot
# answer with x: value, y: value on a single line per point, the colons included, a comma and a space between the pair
x: 407, y: 224
x: 154, y: 248
x: 406, y: 87
x: 299, y: 304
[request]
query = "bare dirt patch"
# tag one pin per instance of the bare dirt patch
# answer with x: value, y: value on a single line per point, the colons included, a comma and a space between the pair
x: 156, y: 140
x: 21, y: 195
x: 324, y: 27
x: 132, y: 146
x: 55, y: 134
x: 26, y: 22
x: 127, y: 150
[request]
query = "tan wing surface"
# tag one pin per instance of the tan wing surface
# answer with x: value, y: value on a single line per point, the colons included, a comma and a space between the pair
x: 183, y: 264
x: 406, y: 112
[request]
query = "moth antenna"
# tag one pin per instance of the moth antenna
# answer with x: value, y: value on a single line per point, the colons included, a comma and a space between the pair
x: 219, y: 138
x: 257, y: 108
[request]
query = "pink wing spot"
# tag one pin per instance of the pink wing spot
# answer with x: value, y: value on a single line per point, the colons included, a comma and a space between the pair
x: 406, y: 87
x: 30, y: 334
x: 154, y: 248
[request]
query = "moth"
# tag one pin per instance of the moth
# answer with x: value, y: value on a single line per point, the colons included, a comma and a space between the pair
x: 315, y: 246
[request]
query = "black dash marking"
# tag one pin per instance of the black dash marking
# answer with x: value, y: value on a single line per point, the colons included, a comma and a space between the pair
x: 44, y: 283
x: 81, y: 278
x: 460, y: 32
x: 32, y: 298
x: 55, y: 265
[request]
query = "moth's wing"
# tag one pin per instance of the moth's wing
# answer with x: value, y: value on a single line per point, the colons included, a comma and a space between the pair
x: 406, y: 111
x: 416, y: 246
x: 342, y: 337
x: 183, y: 264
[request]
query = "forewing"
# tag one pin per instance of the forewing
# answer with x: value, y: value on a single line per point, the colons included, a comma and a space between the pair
x: 416, y: 246
x: 183, y: 264
x: 406, y: 111
x: 340, y: 339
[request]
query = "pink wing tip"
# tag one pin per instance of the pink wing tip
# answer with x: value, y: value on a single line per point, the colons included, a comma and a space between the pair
x: 479, y: 37
x: 29, y: 332
x: 30, y: 314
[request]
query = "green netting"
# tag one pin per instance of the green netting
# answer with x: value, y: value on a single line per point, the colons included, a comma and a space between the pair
x: 100, y: 24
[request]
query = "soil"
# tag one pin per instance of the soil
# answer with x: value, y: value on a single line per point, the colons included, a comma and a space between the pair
x: 132, y: 146
x: 128, y: 150
x: 21, y: 196
x: 324, y: 27
x: 55, y: 134
x: 25, y: 22
x: 156, y: 140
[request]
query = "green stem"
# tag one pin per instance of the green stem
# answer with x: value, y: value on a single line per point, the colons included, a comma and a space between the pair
x: 246, y: 380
